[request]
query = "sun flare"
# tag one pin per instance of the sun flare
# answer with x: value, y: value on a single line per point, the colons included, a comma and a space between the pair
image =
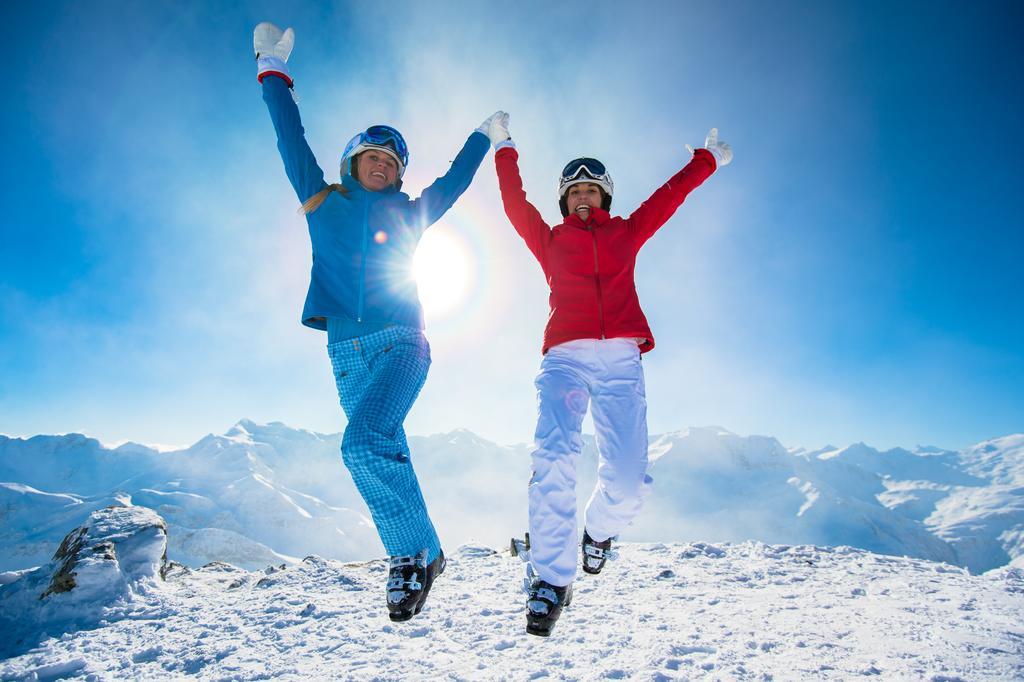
x: 442, y: 270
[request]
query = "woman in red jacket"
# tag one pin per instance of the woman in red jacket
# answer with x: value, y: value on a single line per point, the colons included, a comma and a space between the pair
x: 595, y: 335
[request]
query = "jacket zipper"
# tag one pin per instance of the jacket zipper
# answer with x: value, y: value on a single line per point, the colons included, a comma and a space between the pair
x: 597, y: 281
x: 362, y: 262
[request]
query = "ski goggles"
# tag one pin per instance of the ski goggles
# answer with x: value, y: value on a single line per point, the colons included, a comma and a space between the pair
x: 385, y: 136
x: 577, y: 167
x: 585, y: 169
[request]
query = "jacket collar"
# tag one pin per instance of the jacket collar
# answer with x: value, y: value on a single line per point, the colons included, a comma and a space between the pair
x: 598, y: 216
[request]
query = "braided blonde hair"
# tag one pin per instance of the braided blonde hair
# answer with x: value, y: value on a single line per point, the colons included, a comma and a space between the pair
x: 313, y: 203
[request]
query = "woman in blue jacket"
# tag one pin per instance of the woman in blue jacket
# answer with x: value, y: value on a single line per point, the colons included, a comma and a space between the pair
x: 364, y: 232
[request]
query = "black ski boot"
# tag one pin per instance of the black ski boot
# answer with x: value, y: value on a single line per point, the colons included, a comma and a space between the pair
x: 409, y: 582
x: 544, y: 605
x: 595, y: 554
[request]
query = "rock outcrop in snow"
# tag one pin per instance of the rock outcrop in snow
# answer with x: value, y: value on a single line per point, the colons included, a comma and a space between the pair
x: 116, y: 548
x: 117, y: 553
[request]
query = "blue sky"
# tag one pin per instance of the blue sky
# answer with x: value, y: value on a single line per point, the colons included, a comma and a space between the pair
x: 855, y: 274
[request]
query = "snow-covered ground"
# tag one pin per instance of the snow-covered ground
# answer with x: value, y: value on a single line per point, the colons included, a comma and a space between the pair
x: 661, y: 612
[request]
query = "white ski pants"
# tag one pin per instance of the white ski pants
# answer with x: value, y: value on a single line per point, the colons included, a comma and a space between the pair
x: 607, y: 374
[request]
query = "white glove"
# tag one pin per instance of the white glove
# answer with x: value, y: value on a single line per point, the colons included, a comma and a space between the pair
x: 722, y: 151
x: 272, y: 46
x: 495, y: 127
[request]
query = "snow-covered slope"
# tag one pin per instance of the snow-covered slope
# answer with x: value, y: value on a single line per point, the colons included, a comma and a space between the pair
x: 725, y: 487
x: 233, y: 497
x: 661, y: 612
x: 985, y: 523
x: 268, y: 493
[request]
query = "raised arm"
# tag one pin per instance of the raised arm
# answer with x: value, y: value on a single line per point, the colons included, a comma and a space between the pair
x: 443, y: 192
x: 523, y: 215
x: 272, y: 48
x: 655, y: 212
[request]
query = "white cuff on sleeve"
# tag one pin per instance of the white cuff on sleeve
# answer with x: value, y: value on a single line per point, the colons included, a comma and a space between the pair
x: 272, y: 65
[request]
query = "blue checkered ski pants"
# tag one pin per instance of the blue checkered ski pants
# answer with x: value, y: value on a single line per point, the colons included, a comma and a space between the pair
x: 379, y: 376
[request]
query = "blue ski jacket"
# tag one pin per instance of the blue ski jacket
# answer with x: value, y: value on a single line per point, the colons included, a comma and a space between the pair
x: 363, y: 242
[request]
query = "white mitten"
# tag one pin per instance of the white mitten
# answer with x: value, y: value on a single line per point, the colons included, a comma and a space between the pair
x: 495, y: 127
x: 272, y: 46
x: 722, y: 151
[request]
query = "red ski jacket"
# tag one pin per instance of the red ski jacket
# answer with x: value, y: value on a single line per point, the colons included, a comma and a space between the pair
x: 589, y: 265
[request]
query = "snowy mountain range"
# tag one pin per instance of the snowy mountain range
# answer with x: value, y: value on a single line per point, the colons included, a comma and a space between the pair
x: 269, y: 494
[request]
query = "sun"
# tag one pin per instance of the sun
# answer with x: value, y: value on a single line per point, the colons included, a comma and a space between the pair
x: 442, y: 270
